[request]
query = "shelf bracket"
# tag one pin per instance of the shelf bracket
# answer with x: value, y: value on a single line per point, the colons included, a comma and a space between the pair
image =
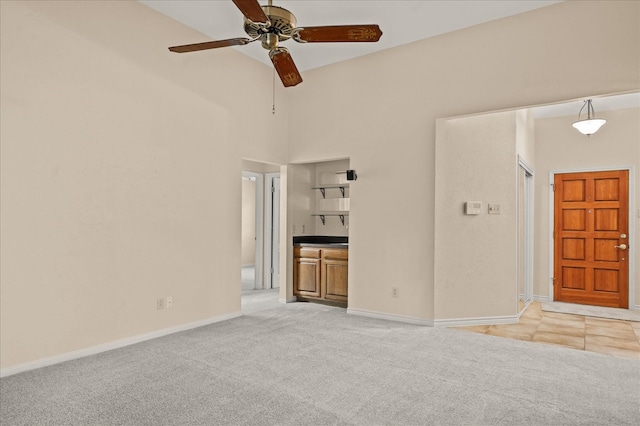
x: 323, y: 194
x: 323, y: 217
x: 342, y: 190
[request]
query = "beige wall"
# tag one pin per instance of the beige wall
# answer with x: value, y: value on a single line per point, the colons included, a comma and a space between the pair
x: 525, y: 137
x: 382, y: 114
x: 255, y: 167
x: 475, y: 255
x: 560, y: 148
x: 120, y: 174
x: 302, y: 199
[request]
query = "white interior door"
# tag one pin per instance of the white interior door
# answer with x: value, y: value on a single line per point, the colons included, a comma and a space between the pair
x: 275, y: 231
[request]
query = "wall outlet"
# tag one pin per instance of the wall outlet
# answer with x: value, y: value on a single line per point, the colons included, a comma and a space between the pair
x: 169, y: 302
x: 494, y: 208
x: 395, y: 292
x: 160, y: 303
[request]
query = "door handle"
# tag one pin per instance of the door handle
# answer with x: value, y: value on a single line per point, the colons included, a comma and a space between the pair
x: 621, y: 247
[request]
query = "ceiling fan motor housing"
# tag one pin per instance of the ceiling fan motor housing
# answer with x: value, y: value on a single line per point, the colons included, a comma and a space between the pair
x: 283, y: 23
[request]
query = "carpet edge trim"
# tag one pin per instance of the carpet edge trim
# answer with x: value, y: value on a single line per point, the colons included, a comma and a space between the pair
x: 575, y: 309
x: 390, y: 317
x: 466, y: 322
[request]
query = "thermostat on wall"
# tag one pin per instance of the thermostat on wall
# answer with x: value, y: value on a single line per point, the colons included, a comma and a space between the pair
x: 473, y: 207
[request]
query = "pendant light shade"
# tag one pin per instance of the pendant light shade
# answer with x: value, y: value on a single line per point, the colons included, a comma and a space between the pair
x: 589, y: 125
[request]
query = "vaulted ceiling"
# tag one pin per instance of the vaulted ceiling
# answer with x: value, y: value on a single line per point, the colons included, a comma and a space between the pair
x: 401, y: 22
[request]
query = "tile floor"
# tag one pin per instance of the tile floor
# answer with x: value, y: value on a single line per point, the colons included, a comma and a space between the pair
x: 613, y: 337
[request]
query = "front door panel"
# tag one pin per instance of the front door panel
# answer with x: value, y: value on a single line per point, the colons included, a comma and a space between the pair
x: 591, y: 255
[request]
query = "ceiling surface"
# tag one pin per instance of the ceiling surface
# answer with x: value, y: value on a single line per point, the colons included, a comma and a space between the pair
x: 605, y: 103
x: 401, y: 22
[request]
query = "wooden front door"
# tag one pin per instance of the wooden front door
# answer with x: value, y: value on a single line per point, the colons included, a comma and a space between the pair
x: 591, y: 259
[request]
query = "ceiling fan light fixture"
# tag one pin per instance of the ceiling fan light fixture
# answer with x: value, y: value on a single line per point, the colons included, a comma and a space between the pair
x: 589, y: 125
x: 270, y: 41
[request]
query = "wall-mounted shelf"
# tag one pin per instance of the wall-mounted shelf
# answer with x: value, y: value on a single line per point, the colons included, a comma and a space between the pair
x: 323, y: 217
x: 323, y: 189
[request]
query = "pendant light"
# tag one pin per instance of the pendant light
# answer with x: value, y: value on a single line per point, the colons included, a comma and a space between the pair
x: 589, y: 125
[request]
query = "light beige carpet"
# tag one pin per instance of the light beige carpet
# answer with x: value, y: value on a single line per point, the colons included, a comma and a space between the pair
x: 305, y: 364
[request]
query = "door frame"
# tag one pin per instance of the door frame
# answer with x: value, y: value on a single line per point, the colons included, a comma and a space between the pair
x: 632, y: 230
x: 529, y: 197
x: 268, y: 240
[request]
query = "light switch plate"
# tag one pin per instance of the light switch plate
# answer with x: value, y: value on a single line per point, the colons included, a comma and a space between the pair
x: 494, y: 208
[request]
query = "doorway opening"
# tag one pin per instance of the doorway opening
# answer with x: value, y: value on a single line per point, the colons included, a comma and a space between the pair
x: 252, y: 188
x: 260, y: 226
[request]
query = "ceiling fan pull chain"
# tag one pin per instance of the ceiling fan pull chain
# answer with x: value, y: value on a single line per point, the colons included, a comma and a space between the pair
x: 273, y: 111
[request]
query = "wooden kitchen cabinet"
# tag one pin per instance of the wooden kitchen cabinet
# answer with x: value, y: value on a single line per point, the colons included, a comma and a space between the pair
x: 306, y: 272
x: 321, y: 274
x: 333, y: 276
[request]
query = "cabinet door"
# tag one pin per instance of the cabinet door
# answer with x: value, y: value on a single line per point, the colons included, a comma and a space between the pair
x: 334, y: 274
x: 306, y: 277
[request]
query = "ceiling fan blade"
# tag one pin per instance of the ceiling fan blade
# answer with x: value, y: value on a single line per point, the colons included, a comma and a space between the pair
x: 252, y: 10
x: 338, y: 33
x: 210, y: 45
x: 285, y: 67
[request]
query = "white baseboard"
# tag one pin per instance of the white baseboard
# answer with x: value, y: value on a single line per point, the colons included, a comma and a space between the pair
x: 390, y: 317
x: 290, y: 300
x: 465, y: 322
x: 68, y: 356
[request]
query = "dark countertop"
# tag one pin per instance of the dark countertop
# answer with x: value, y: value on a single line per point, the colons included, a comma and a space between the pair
x: 321, y: 240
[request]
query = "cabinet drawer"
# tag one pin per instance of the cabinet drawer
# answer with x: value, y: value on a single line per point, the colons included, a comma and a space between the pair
x: 340, y: 254
x: 309, y: 252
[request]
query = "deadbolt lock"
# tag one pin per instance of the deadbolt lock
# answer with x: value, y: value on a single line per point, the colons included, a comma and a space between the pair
x: 623, y: 235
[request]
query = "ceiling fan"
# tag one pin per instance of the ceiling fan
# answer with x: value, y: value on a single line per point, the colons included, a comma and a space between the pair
x: 272, y: 25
